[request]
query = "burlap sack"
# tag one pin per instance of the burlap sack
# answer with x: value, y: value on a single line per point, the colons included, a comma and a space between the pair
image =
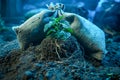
x: 31, y: 31
x: 88, y: 35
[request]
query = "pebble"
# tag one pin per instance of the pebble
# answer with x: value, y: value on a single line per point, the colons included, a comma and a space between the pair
x: 38, y: 65
x: 49, y: 74
x: 28, y: 75
x: 52, y: 64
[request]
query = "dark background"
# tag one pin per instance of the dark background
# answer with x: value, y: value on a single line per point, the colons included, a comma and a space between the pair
x: 12, y: 11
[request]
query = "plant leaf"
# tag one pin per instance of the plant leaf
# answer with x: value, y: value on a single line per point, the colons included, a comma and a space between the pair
x: 50, y: 31
x: 47, y: 26
x: 68, y: 30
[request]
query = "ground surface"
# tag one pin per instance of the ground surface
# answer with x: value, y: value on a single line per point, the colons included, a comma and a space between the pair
x: 33, y: 64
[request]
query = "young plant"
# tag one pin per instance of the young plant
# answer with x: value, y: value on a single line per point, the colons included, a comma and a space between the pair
x: 58, y: 28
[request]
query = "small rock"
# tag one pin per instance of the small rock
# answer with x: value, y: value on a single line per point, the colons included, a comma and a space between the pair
x: 28, y: 75
x: 41, y: 77
x: 52, y: 64
x: 38, y: 65
x: 49, y: 74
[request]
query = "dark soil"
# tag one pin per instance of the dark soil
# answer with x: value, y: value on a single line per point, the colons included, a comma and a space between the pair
x: 58, y: 60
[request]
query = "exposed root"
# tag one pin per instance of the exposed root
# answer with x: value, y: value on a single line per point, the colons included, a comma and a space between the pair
x: 57, y: 53
x: 54, y: 49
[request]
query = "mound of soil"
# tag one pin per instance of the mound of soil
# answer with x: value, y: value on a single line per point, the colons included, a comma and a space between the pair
x: 17, y: 61
x: 55, y: 49
x: 54, y: 60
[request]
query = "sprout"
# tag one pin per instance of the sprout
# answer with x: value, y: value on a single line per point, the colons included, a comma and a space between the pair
x: 58, y: 28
